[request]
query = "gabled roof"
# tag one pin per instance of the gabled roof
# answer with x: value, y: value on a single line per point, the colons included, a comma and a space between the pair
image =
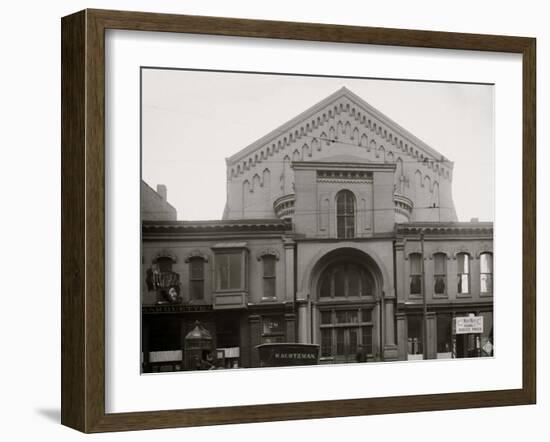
x: 307, y: 114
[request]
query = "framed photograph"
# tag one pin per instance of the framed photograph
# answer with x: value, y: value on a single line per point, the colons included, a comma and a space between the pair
x: 268, y: 221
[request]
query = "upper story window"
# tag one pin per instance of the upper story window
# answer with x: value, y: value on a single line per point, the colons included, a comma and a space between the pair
x: 229, y: 271
x: 164, y: 264
x: 230, y: 266
x: 463, y: 271
x: 415, y: 271
x: 345, y: 280
x: 269, y: 279
x: 196, y: 278
x: 440, y: 273
x: 163, y: 279
x: 345, y: 214
x: 486, y: 272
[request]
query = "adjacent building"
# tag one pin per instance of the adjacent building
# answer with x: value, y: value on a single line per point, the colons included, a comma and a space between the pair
x: 339, y: 230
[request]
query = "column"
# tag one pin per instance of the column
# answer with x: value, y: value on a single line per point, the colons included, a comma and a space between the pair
x: 303, y: 323
x: 432, y: 335
x: 254, y: 322
x: 390, y: 348
x: 401, y: 320
x: 290, y: 327
x: 289, y: 246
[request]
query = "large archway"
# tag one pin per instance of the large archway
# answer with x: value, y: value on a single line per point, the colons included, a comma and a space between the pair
x: 346, y: 288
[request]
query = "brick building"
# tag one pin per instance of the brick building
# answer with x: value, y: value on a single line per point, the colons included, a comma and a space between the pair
x: 339, y: 230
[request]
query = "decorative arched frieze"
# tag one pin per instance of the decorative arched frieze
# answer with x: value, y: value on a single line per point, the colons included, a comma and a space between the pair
x: 347, y: 128
x: 268, y: 252
x: 428, y: 182
x: 371, y: 146
x: 256, y: 182
x: 196, y: 254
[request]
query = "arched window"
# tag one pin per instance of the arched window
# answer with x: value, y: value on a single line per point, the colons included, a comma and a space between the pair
x: 345, y: 214
x: 463, y: 270
x: 440, y: 273
x: 196, y: 278
x: 486, y: 272
x: 345, y: 280
x: 415, y: 271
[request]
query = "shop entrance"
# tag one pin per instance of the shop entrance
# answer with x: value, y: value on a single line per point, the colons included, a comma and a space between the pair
x: 468, y: 345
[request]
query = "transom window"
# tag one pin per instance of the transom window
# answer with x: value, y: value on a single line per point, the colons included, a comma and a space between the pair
x: 486, y: 272
x: 463, y: 266
x: 345, y: 214
x: 345, y: 280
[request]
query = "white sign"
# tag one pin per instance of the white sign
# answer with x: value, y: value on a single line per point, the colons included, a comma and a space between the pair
x: 468, y: 324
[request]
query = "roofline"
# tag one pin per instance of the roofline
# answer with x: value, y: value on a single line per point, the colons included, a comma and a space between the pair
x: 343, y: 91
x: 165, y: 200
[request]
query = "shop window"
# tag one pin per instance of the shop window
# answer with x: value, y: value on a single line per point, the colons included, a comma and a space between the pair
x: 345, y: 280
x: 414, y: 335
x: 463, y: 266
x: 269, y: 279
x: 346, y: 334
x: 345, y: 214
x: 196, y: 278
x: 486, y: 272
x: 415, y: 262
x: 444, y: 335
x: 487, y: 340
x: 273, y: 329
x: 440, y: 273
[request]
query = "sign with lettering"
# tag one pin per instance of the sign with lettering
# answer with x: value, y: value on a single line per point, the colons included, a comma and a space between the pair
x: 467, y: 324
x: 285, y: 354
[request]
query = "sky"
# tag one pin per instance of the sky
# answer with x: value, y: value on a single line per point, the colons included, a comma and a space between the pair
x: 193, y: 120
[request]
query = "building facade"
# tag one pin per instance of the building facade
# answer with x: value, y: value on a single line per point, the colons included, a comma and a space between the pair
x: 339, y: 230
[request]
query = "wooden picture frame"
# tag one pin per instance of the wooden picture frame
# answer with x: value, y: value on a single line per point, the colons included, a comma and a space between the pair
x: 83, y: 220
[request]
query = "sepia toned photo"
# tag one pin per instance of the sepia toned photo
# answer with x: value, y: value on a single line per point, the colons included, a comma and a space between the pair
x: 291, y: 220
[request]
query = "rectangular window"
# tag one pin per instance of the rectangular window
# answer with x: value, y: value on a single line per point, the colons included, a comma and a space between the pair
x: 273, y: 329
x: 269, y: 276
x: 346, y: 335
x: 444, y: 333
x: 229, y: 269
x: 414, y: 331
x: 196, y: 278
x: 486, y: 272
x: 440, y: 273
x: 463, y: 265
x: 415, y: 260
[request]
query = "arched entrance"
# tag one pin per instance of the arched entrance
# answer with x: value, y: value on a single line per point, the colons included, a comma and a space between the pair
x: 346, y: 313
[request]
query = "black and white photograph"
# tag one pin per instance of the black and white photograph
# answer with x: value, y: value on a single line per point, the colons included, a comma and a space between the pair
x: 292, y: 220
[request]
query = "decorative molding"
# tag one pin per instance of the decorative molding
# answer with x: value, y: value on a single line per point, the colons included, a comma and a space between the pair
x: 196, y: 254
x: 267, y: 252
x: 165, y: 253
x: 344, y: 176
